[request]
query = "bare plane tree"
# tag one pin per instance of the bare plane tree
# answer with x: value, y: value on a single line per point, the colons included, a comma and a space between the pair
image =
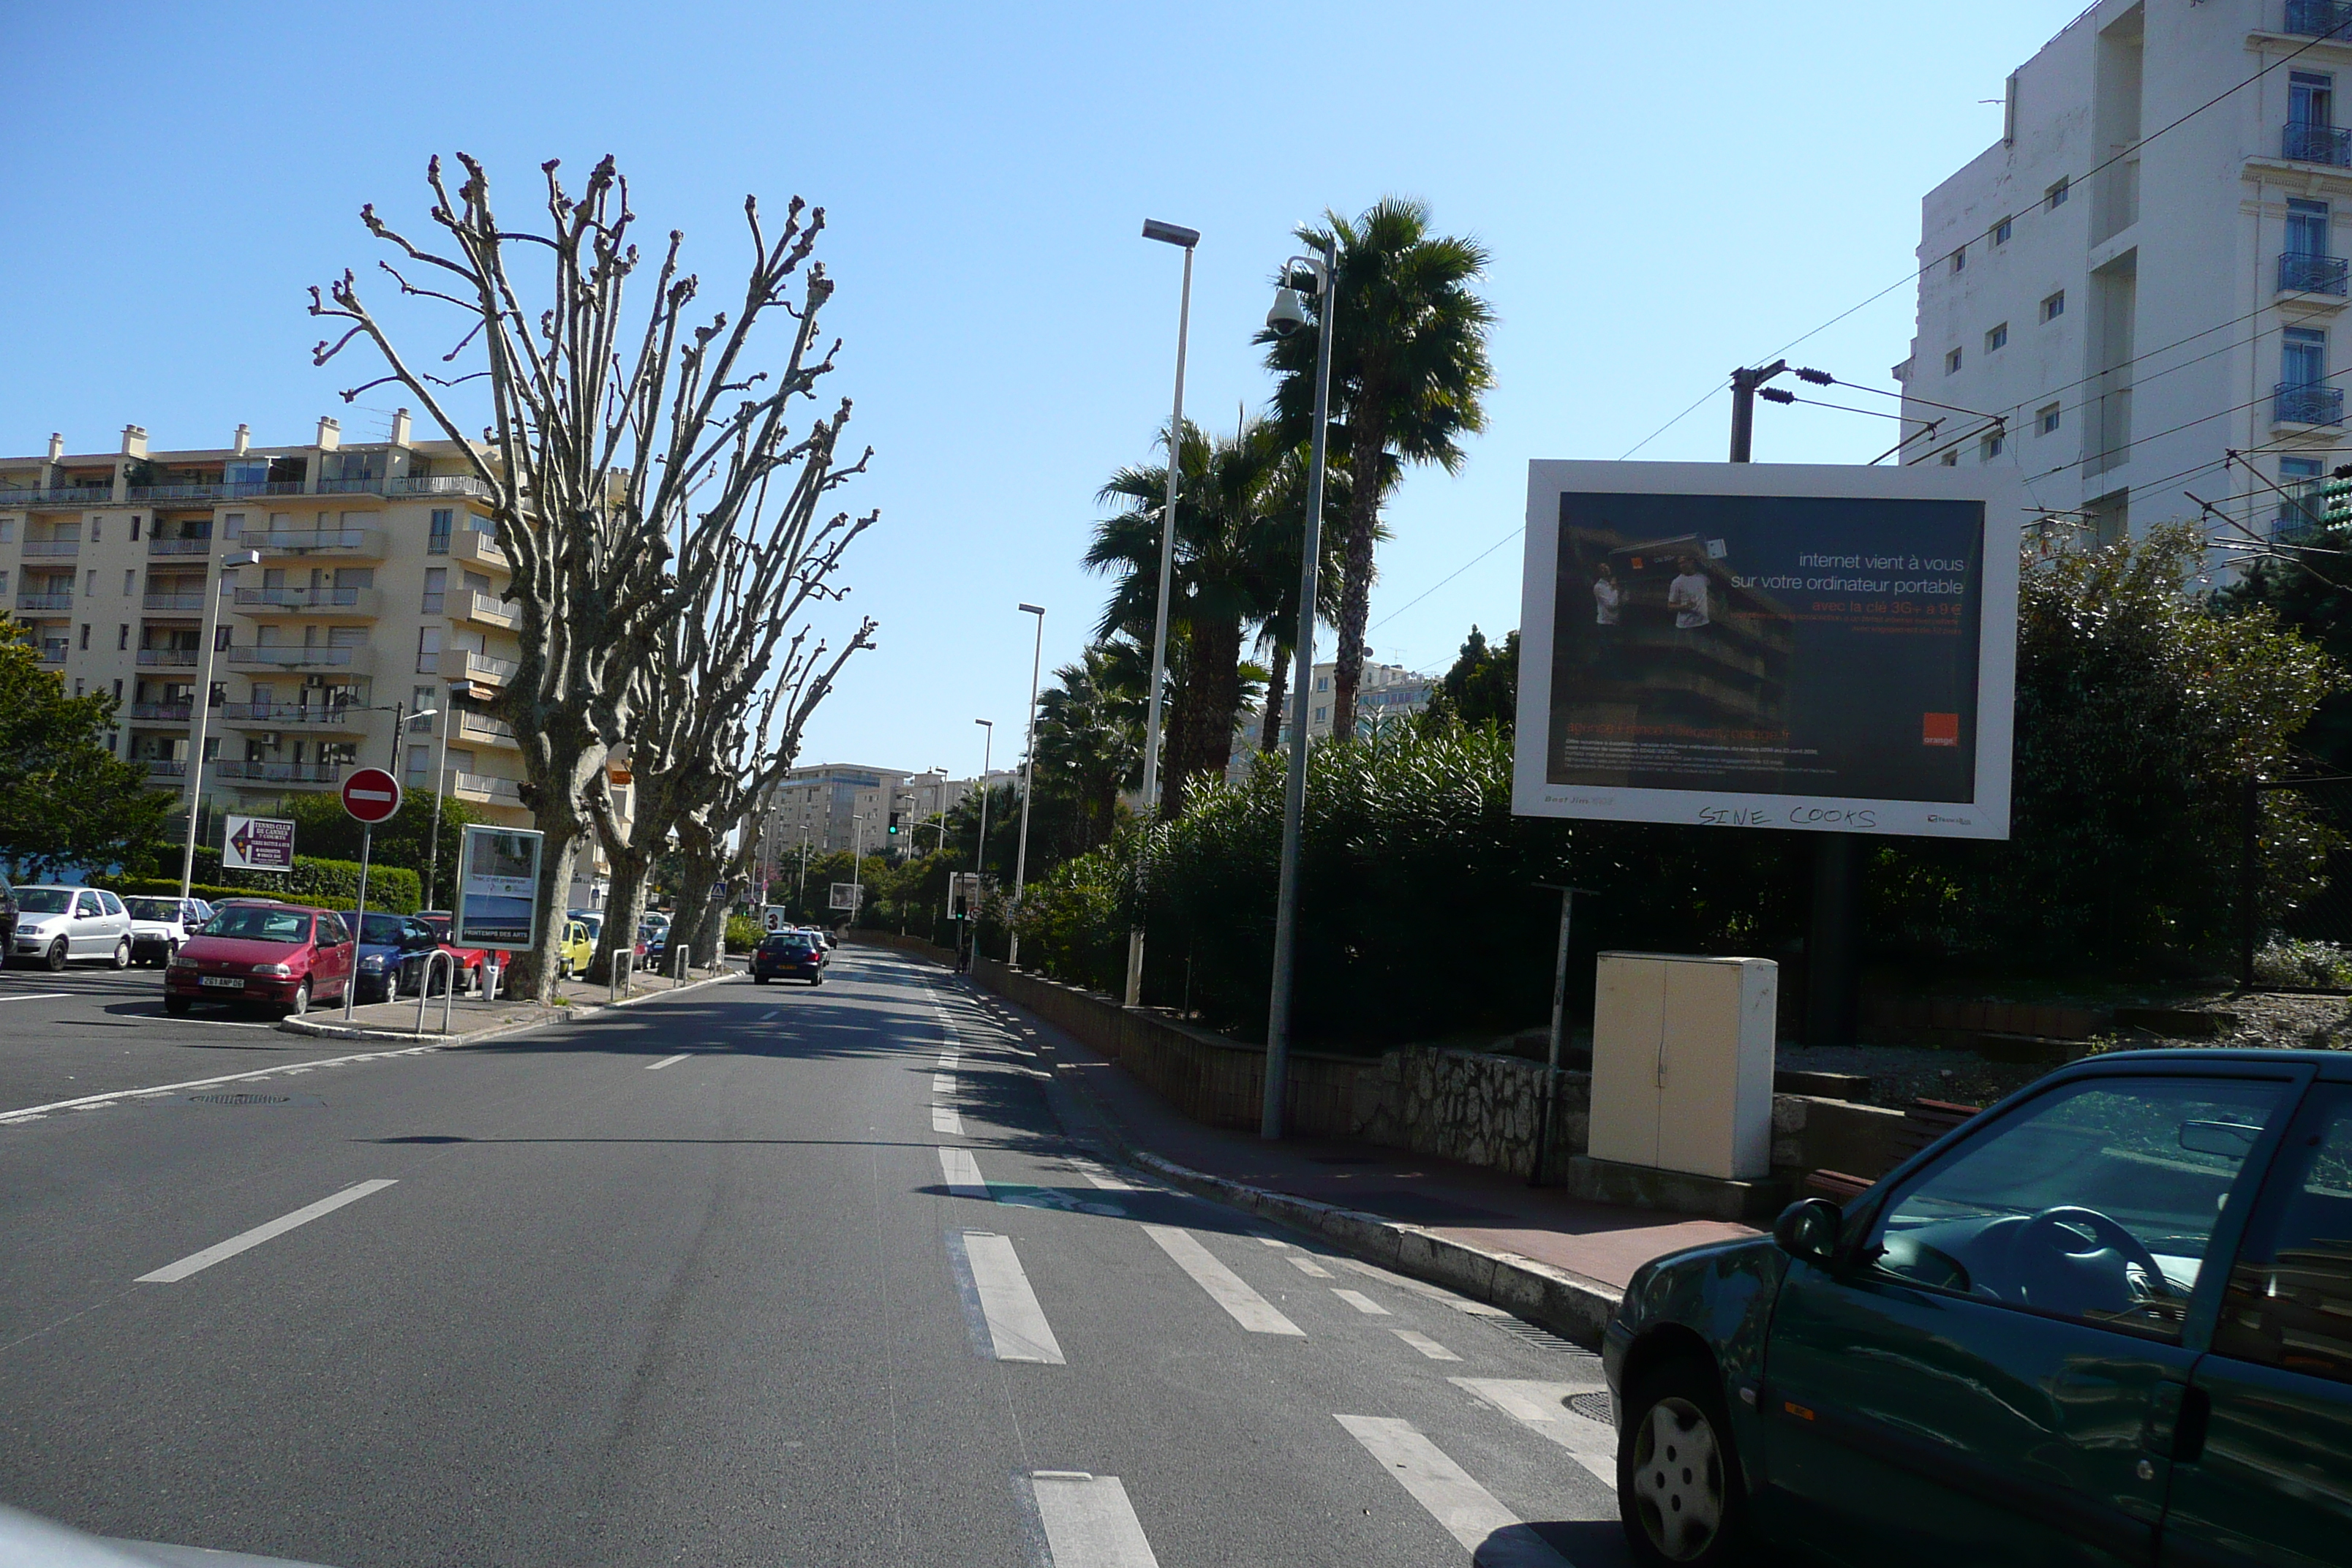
x: 619, y: 459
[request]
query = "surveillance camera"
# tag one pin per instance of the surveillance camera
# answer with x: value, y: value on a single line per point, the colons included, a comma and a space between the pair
x: 1289, y: 314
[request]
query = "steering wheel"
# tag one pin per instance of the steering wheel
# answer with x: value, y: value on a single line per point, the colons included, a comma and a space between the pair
x: 2046, y: 1230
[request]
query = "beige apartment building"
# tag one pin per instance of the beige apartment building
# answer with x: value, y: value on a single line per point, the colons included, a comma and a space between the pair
x: 377, y: 586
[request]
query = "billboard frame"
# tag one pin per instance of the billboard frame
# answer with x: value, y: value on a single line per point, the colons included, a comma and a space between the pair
x: 1998, y: 489
x: 463, y: 930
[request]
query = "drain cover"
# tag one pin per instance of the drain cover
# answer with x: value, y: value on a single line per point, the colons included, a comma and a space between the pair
x: 1541, y: 1339
x: 242, y: 1099
x: 1599, y: 1406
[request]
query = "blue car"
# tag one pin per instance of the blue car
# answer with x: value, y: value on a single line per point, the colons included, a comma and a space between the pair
x: 393, y: 951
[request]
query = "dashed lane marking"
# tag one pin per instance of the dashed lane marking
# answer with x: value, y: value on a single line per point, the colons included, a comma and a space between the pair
x: 1088, y: 1521
x: 196, y: 1262
x: 1227, y: 1289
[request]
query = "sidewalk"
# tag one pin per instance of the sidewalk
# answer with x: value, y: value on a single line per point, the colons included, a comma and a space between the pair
x: 1543, y: 1254
x: 472, y: 1019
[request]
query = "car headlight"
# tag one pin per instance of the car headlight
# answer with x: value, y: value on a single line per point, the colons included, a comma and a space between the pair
x: 372, y: 961
x: 182, y: 960
x: 31, y: 928
x: 282, y: 971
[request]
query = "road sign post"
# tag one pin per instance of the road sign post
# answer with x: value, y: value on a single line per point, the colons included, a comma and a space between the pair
x: 371, y: 795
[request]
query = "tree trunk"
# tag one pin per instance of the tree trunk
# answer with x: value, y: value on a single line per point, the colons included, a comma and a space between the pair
x: 698, y: 875
x: 624, y: 907
x: 1212, y: 692
x: 1356, y: 574
x: 1175, y: 744
x: 1278, y: 685
x: 532, y: 974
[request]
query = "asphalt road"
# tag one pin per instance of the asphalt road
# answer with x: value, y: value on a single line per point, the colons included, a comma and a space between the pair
x: 754, y: 1275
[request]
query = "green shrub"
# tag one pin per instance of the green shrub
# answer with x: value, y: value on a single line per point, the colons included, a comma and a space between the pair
x: 2322, y: 965
x: 166, y: 887
x: 743, y: 934
x: 334, y: 884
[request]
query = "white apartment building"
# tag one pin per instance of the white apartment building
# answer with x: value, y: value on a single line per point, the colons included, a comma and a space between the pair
x: 377, y: 587
x: 2111, y: 319
x: 1388, y: 693
x: 828, y: 805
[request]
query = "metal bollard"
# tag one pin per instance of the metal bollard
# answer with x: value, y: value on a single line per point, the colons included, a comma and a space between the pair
x: 448, y: 988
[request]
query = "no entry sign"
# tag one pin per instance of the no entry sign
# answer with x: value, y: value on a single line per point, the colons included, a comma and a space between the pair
x: 371, y: 794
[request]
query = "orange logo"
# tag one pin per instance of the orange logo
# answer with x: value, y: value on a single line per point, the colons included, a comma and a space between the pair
x: 1939, y: 729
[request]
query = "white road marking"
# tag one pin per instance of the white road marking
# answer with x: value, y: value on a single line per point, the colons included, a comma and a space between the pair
x: 1309, y: 1267
x: 1105, y: 1180
x: 1543, y: 1407
x: 772, y: 1014
x: 1362, y: 1303
x: 962, y: 1172
x: 37, y: 997
x: 943, y: 1083
x: 1088, y: 1521
x: 1469, y: 1512
x: 1250, y: 1310
x: 1272, y: 1241
x: 1016, y: 1323
x: 172, y: 1273
x: 948, y: 1060
x: 31, y: 1111
x: 944, y: 1119
x: 667, y: 1061
x: 1425, y: 1345
x: 1423, y: 1288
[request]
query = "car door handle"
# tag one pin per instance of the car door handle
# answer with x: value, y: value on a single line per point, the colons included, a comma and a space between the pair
x: 2189, y: 1436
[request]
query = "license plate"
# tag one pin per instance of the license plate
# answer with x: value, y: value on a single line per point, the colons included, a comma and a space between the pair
x: 225, y: 981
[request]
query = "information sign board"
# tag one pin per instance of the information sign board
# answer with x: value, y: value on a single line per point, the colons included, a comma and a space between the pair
x: 498, y: 889
x: 258, y: 844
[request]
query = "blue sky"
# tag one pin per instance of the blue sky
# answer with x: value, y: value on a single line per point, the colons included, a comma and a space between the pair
x: 1665, y: 194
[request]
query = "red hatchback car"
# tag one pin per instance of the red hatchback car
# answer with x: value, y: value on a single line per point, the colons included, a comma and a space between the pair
x: 285, y: 956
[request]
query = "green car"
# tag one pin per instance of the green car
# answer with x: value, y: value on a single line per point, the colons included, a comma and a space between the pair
x: 2108, y: 1321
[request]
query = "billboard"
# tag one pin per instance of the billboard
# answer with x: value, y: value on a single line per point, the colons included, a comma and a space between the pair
x: 498, y: 889
x: 845, y: 896
x: 1823, y: 648
x: 258, y: 844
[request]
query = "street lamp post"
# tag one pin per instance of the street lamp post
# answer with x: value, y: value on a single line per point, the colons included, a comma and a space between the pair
x: 980, y: 850
x: 1288, y: 316
x: 204, y: 710
x: 1184, y: 239
x: 857, y: 864
x: 1028, y: 777
x: 440, y: 782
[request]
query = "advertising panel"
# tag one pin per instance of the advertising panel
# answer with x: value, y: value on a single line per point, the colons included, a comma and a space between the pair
x: 498, y: 889
x: 1823, y: 648
x: 845, y: 896
x: 258, y: 844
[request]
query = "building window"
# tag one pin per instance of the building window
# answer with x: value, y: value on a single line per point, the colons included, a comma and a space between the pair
x: 85, y: 635
x: 93, y: 529
x: 90, y: 585
x: 134, y: 527
x: 2056, y: 195
x: 2048, y: 418
x: 1322, y: 715
x: 76, y: 686
x: 436, y: 581
x: 2055, y: 306
x: 1322, y: 683
x: 1961, y: 260
x: 1997, y: 337
x: 129, y: 580
x: 2303, y: 357
x: 1952, y: 459
x: 2311, y: 99
x: 1990, y: 446
x: 2306, y: 228
x: 233, y: 525
x: 122, y: 639
x: 1952, y: 363
x: 118, y: 689
x: 2000, y: 232
x: 220, y: 644
x: 437, y: 542
x: 428, y: 651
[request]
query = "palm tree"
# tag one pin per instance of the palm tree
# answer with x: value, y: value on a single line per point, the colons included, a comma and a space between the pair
x: 1279, y: 626
x: 1227, y: 570
x: 1409, y: 372
x: 1090, y: 736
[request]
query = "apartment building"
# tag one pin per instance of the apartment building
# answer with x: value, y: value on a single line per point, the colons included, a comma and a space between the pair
x: 2112, y: 317
x: 828, y: 805
x: 1387, y: 693
x: 377, y: 588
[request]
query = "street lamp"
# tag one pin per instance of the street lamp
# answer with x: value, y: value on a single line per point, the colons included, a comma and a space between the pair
x: 440, y: 782
x: 1028, y: 776
x: 204, y: 710
x: 1288, y: 316
x: 980, y: 850
x: 1184, y: 239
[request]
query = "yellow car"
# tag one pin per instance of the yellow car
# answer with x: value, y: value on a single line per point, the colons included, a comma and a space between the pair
x: 578, y: 948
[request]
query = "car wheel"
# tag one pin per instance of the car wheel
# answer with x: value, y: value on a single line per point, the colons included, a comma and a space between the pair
x: 1678, y: 1487
x: 171, y: 952
x: 474, y: 981
x: 56, y: 956
x: 123, y: 953
x: 301, y: 1002
x: 176, y: 1006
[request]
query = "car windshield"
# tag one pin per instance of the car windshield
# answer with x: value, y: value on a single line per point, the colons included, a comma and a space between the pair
x: 44, y: 901
x: 257, y: 923
x: 384, y: 931
x: 154, y: 909
x: 593, y: 924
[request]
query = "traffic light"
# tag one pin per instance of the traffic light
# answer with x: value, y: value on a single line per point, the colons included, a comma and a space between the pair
x: 894, y: 825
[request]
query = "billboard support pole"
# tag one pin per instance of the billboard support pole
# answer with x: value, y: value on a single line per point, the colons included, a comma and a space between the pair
x: 1829, y: 977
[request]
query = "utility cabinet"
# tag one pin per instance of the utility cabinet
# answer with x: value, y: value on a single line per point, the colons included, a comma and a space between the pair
x: 1681, y: 1063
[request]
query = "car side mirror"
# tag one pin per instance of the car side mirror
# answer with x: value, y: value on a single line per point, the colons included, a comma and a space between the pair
x: 1809, y: 1228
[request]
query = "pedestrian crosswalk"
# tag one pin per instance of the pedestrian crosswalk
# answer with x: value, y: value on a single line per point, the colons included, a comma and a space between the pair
x: 1493, y: 1534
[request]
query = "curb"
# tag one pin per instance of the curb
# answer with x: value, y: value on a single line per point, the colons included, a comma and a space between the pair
x: 1574, y: 1308
x: 545, y: 1017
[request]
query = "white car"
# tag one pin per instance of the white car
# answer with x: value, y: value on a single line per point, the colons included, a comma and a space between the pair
x: 158, y: 925
x: 59, y: 925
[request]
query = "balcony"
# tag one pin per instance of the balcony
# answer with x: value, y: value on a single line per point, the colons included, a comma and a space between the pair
x: 161, y: 712
x: 313, y: 775
x: 213, y: 491
x: 483, y: 730
x: 464, y: 664
x: 479, y: 547
x: 173, y: 604
x: 443, y: 484
x: 284, y: 715
x: 2319, y: 18
x: 166, y: 767
x: 2316, y: 144
x: 350, y: 603
x: 51, y: 548
x: 302, y: 656
x: 365, y: 485
x: 485, y: 788
x: 169, y: 658
x: 364, y: 542
x: 2308, y: 405
x: 45, y: 600
x: 157, y: 544
x: 71, y: 496
x: 468, y: 604
x: 53, y: 650
x: 2299, y: 274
